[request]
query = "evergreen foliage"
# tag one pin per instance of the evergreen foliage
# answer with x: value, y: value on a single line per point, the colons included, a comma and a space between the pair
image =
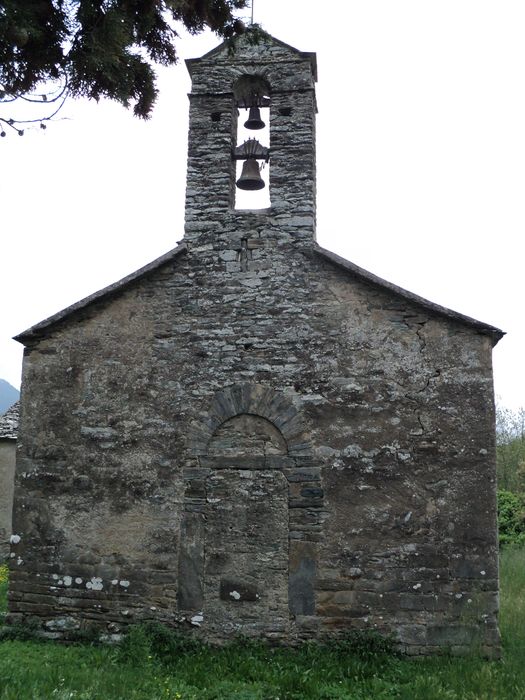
x: 100, y: 48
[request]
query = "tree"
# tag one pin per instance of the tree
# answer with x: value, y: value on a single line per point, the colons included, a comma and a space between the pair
x: 511, y: 517
x: 97, y: 48
x: 510, y: 448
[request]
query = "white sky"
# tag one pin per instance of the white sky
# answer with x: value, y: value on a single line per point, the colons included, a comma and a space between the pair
x: 421, y: 168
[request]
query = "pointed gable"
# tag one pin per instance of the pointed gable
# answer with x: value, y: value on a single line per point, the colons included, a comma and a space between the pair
x: 258, y: 53
x: 253, y: 46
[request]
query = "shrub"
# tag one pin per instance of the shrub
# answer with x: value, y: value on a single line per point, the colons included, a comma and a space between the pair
x: 511, y: 518
x: 4, y: 580
x: 365, y: 644
x: 154, y: 641
x: 21, y: 631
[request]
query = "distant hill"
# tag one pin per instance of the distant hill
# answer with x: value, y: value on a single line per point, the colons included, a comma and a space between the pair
x: 8, y: 395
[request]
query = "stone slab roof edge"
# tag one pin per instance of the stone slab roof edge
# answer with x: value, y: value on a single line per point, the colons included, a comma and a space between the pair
x: 310, y: 55
x: 363, y: 274
x: 36, y: 330
x: 41, y: 327
x: 9, y: 422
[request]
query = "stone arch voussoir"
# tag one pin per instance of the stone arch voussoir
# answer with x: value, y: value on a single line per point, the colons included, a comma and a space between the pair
x: 278, y: 407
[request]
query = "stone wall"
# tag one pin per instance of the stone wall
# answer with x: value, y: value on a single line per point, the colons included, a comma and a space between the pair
x: 7, y: 475
x: 210, y: 192
x: 8, y: 435
x: 251, y: 437
x: 363, y: 492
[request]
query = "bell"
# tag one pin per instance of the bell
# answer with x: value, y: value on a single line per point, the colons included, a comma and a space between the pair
x: 254, y: 120
x: 250, y: 177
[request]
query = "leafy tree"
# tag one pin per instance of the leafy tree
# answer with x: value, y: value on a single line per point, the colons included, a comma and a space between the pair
x: 511, y: 517
x: 510, y: 448
x: 98, y: 48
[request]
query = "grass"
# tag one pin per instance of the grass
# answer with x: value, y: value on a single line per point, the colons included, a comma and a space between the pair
x: 153, y: 665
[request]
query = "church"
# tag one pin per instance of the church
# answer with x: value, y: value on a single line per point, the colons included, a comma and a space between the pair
x: 251, y: 435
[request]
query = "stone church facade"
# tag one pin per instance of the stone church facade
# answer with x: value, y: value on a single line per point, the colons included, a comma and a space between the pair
x: 251, y: 435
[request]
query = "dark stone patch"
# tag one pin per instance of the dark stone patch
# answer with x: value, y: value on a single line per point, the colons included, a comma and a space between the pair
x: 299, y: 475
x: 311, y: 492
x: 191, y: 562
x: 301, y: 594
x: 238, y: 592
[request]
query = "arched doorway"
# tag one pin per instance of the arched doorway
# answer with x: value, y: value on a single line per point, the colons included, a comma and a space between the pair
x: 253, y: 516
x: 246, y: 531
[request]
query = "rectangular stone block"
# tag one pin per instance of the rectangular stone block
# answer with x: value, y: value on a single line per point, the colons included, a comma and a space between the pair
x: 191, y: 562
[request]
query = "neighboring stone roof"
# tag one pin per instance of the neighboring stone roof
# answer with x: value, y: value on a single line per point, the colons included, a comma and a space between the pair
x: 9, y: 423
x: 358, y: 272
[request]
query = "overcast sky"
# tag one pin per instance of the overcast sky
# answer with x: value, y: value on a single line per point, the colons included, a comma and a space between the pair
x: 421, y: 168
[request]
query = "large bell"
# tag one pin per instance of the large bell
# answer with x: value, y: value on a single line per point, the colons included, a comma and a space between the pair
x: 254, y: 120
x: 250, y: 178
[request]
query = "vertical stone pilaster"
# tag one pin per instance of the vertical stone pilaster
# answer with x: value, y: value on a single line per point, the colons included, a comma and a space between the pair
x: 303, y: 557
x: 292, y: 182
x: 190, y: 595
x: 210, y: 179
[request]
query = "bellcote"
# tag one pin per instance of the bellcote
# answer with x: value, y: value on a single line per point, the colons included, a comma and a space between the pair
x: 263, y: 73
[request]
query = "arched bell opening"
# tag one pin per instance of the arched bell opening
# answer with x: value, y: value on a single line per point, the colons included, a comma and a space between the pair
x: 252, y: 150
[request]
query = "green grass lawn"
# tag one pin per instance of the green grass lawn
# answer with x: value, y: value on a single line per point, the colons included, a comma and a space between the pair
x: 45, y: 671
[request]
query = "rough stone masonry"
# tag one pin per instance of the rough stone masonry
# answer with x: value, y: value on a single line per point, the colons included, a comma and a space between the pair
x: 8, y: 432
x: 252, y: 436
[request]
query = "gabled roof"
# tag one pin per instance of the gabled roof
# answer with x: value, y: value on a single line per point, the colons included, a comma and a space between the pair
x: 9, y: 423
x: 357, y: 272
x: 366, y: 276
x: 107, y: 292
x: 227, y: 44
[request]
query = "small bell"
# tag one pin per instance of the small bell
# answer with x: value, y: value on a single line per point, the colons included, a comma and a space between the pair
x: 250, y: 178
x: 254, y: 120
